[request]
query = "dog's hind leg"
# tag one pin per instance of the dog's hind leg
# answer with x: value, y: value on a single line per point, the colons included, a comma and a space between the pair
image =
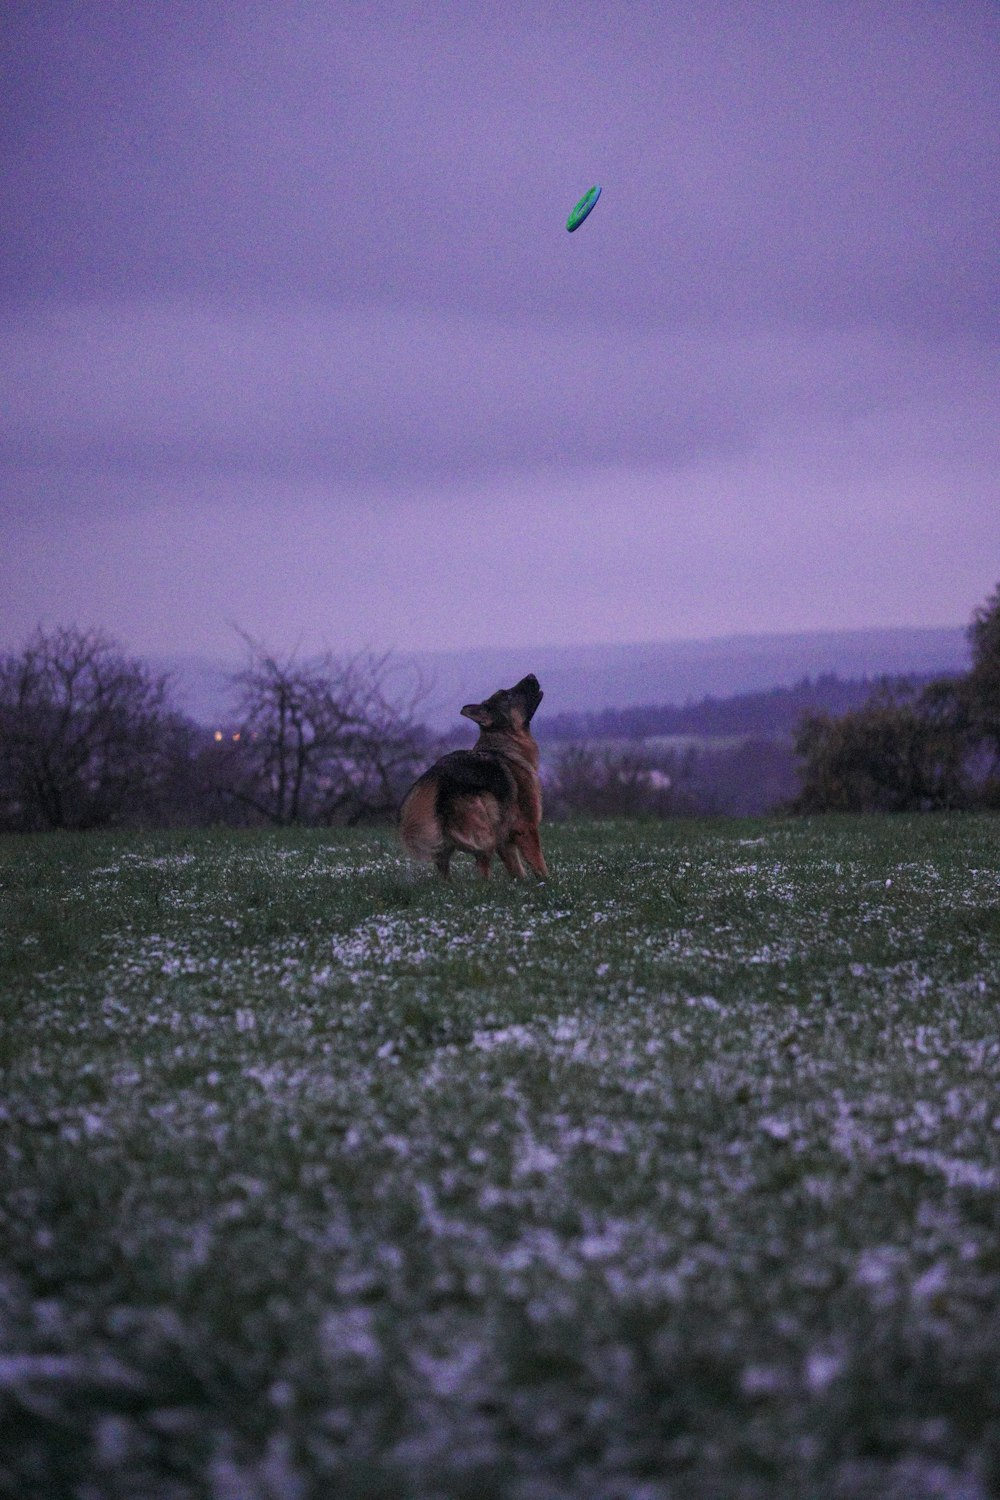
x: 530, y: 846
x: 442, y: 860
x: 483, y: 862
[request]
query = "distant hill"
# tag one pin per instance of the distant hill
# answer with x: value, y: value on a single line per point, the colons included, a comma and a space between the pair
x: 588, y: 679
x: 591, y: 678
x: 771, y: 715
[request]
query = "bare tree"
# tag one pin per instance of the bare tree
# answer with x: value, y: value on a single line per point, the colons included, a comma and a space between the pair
x: 605, y: 783
x: 83, y: 732
x: 327, y: 741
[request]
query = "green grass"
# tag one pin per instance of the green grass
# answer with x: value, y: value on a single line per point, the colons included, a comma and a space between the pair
x: 678, y: 1176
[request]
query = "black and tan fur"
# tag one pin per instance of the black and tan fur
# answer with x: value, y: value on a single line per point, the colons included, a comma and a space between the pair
x: 485, y: 801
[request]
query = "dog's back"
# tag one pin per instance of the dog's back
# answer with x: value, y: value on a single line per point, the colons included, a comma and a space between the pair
x: 485, y: 801
x: 466, y: 799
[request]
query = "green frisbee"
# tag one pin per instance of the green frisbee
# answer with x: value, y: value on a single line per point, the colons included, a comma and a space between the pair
x: 583, y: 208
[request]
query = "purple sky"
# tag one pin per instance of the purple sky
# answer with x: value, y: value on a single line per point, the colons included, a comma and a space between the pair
x: 294, y: 335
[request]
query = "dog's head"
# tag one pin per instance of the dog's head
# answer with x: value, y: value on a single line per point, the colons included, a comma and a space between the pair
x: 508, y: 709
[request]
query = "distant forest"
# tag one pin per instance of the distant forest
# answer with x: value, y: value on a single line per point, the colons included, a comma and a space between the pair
x: 90, y: 738
x: 771, y: 715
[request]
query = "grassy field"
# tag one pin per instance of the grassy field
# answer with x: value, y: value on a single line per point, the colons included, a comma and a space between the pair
x: 678, y: 1176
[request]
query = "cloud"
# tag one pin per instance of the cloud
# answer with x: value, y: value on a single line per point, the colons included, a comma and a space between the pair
x: 395, y: 396
x: 827, y: 166
x: 789, y: 540
x: 289, y: 316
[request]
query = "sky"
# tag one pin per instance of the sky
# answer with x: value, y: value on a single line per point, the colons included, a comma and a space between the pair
x: 293, y: 338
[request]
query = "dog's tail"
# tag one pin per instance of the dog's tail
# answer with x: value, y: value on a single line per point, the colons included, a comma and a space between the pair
x: 419, y: 825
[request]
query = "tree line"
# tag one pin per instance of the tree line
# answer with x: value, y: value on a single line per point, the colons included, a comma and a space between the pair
x: 769, y: 714
x: 894, y: 745
x: 912, y: 750
x: 90, y: 738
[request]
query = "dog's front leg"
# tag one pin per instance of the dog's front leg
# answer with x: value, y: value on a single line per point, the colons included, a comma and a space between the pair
x: 510, y: 856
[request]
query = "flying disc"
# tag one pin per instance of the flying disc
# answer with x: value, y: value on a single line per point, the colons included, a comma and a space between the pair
x: 583, y: 208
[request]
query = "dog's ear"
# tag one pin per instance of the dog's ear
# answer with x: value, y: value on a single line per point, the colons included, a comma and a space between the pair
x: 479, y: 714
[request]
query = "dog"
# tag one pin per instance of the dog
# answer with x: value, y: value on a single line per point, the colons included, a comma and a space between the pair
x: 485, y: 801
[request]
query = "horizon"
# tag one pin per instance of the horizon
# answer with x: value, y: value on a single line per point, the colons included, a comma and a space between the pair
x: 613, y: 675
x: 624, y: 645
x: 293, y: 332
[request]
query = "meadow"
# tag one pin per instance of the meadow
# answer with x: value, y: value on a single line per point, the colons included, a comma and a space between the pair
x: 676, y: 1177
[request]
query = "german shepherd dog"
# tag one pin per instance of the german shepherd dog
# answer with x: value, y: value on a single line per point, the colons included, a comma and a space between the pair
x: 485, y: 801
